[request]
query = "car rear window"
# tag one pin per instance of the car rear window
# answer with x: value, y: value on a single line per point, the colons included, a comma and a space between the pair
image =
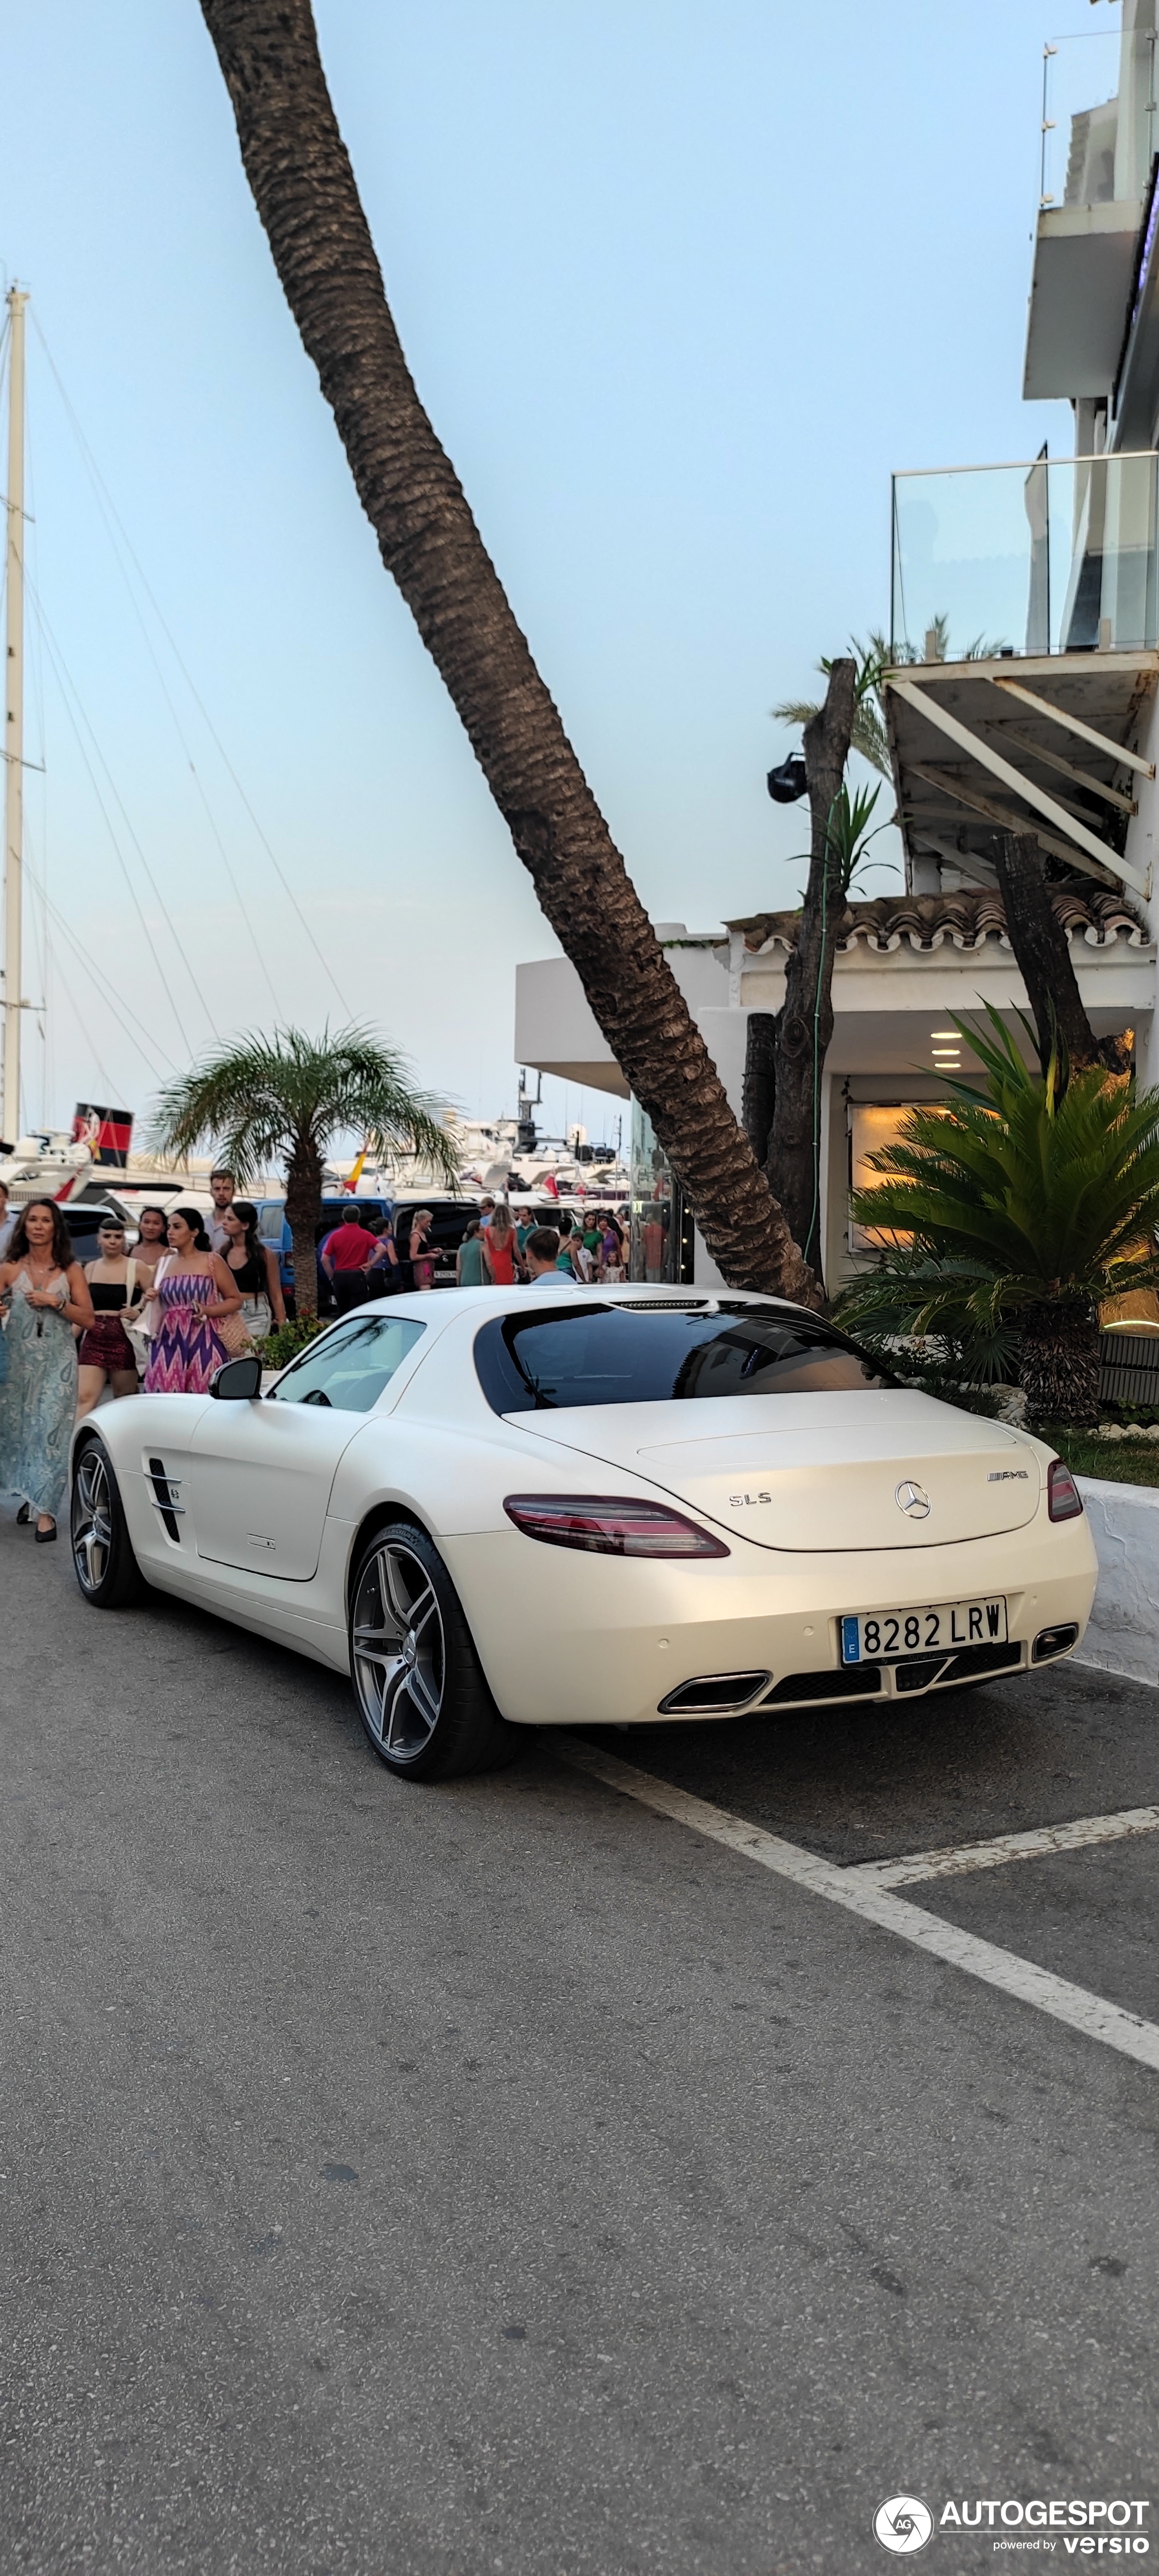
x: 653, y: 1355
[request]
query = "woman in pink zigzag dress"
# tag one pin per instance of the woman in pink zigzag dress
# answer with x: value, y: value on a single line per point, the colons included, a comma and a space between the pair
x: 193, y: 1291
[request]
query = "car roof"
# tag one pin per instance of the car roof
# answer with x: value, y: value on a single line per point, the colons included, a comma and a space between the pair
x: 452, y: 1303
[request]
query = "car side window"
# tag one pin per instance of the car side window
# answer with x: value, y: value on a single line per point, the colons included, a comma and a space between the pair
x: 349, y: 1368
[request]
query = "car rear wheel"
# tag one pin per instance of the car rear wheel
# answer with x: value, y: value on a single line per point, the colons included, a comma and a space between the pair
x: 106, y: 1568
x: 418, y: 1681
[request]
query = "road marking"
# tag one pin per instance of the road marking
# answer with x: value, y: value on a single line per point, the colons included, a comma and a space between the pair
x: 1083, y: 2012
x: 1030, y: 1846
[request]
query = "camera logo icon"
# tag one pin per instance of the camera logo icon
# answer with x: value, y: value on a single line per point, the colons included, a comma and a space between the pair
x: 903, y: 2524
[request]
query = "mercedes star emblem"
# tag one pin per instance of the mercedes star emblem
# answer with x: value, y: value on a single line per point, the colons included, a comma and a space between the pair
x: 913, y: 1500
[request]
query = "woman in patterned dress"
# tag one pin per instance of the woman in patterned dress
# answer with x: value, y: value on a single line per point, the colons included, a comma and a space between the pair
x: 49, y: 1294
x: 192, y: 1291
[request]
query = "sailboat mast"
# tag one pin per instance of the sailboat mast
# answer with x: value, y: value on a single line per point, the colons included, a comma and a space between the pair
x: 14, y: 725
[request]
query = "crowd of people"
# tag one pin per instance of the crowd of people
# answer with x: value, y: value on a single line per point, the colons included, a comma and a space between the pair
x: 503, y: 1245
x: 500, y: 1247
x: 197, y: 1289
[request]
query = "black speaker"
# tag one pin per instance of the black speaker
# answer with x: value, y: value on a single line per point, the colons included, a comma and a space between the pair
x: 788, y: 784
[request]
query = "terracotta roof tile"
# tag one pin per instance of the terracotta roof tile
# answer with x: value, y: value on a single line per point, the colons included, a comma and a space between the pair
x: 968, y: 919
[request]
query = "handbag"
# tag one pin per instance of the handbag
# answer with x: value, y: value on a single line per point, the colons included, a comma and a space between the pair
x: 258, y: 1316
x: 232, y: 1332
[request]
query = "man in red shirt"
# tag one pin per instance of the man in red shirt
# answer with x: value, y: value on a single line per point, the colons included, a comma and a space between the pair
x: 346, y: 1255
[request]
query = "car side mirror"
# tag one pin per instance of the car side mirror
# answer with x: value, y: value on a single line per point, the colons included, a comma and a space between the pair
x: 236, y: 1381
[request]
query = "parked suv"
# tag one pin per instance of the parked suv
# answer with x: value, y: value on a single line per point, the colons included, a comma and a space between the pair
x: 273, y: 1229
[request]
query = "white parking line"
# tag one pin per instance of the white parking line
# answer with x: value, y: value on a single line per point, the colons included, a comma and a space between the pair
x: 1030, y: 1846
x: 848, y: 1887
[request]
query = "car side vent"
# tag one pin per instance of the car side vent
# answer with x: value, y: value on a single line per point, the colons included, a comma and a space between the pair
x: 714, y: 1694
x: 165, y: 1493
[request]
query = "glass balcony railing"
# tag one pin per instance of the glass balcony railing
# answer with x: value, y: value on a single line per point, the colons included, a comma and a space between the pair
x: 1054, y: 556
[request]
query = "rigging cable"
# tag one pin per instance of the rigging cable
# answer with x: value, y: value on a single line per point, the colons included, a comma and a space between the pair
x: 105, y: 499
x: 106, y: 991
x: 72, y: 1003
x: 66, y: 683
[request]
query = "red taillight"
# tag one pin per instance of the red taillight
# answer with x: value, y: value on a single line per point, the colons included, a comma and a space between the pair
x: 608, y: 1526
x: 1063, y: 1499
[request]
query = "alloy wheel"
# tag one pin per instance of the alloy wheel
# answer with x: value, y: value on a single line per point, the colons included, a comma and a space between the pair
x: 399, y: 1651
x: 92, y: 1521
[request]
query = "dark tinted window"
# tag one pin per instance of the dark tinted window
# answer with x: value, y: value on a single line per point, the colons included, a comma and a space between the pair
x: 450, y: 1219
x: 333, y: 1211
x: 621, y: 1355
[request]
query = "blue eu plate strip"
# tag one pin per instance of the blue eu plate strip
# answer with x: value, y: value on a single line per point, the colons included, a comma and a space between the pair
x: 850, y: 1642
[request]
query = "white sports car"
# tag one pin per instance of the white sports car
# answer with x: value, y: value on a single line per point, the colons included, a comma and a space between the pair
x: 465, y: 1500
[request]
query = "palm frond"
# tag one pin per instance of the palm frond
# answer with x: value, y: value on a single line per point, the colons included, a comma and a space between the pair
x: 796, y: 711
x: 264, y: 1100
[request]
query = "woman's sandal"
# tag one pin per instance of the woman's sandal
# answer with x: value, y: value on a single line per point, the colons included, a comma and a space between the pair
x: 24, y: 1513
x: 44, y: 1537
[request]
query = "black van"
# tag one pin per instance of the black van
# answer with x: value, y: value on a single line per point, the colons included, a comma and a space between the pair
x: 450, y: 1219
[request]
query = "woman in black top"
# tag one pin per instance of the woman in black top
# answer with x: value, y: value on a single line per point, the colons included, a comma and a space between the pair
x: 255, y: 1268
x: 106, y: 1354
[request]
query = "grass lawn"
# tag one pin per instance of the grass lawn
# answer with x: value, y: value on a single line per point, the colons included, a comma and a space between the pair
x: 1119, y: 1462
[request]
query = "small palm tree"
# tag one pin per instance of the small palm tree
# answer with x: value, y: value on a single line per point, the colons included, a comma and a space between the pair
x: 1024, y: 1205
x: 873, y: 660
x: 868, y: 735
x: 287, y: 1098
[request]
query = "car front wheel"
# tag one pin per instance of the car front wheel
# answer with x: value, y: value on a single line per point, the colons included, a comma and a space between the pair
x: 102, y: 1555
x: 421, y: 1693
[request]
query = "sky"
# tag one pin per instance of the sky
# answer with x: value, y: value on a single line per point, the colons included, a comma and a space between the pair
x: 680, y: 284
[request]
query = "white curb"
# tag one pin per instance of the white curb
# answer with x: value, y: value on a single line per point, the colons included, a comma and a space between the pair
x: 1123, y: 1636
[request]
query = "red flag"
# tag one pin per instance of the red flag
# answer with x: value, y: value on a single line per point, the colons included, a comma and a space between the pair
x: 106, y: 1132
x: 551, y: 1185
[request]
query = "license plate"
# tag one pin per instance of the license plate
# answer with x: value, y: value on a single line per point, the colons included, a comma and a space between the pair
x: 888, y: 1636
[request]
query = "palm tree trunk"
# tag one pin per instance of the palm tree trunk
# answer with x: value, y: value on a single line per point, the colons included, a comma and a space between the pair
x: 304, y: 1176
x: 805, y: 1021
x: 304, y: 190
x: 760, y: 1080
x: 1042, y: 950
x: 1060, y: 1362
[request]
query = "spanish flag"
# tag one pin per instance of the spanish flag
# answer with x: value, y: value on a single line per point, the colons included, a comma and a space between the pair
x: 356, y: 1174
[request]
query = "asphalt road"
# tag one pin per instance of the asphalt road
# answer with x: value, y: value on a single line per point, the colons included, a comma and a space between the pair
x: 405, y: 2182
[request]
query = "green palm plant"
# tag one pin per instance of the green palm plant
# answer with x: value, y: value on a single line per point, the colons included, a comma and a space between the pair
x: 1026, y: 1205
x: 868, y: 735
x: 286, y: 1099
x: 873, y: 659
x: 849, y: 838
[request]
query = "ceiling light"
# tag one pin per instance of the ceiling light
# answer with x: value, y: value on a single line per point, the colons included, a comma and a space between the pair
x: 946, y: 1033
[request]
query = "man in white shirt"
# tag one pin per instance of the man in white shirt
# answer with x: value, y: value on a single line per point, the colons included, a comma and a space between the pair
x: 541, y: 1252
x: 221, y: 1192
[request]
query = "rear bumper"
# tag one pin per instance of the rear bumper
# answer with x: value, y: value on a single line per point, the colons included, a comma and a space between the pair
x: 569, y: 1640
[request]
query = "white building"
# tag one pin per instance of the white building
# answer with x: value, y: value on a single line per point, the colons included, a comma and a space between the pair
x: 1023, y: 693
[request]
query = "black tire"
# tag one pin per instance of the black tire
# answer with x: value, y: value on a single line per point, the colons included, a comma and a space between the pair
x: 102, y: 1555
x: 417, y: 1679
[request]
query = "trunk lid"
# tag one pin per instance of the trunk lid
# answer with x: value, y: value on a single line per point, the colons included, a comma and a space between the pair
x: 809, y: 1473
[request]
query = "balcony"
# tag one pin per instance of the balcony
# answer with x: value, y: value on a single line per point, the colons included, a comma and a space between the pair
x: 1054, y: 556
x: 1024, y: 630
